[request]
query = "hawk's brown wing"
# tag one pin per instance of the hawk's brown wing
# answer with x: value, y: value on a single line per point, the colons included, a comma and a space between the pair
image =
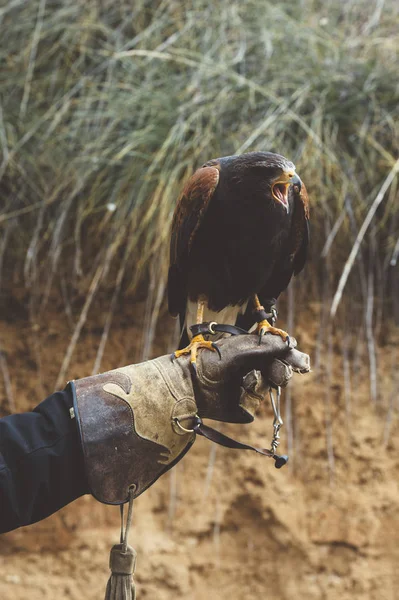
x: 189, y: 214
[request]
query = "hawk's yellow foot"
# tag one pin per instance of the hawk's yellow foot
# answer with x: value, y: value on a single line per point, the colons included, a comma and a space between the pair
x: 196, y: 344
x: 265, y: 327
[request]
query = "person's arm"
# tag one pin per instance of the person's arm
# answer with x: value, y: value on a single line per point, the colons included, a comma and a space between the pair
x: 130, y: 425
x: 41, y: 463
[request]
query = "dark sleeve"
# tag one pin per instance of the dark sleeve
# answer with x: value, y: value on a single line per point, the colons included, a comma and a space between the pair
x: 41, y: 462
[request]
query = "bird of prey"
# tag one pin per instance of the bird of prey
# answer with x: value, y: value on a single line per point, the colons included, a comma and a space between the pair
x: 239, y: 233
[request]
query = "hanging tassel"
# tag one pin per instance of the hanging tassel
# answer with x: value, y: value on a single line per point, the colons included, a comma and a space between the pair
x: 122, y: 562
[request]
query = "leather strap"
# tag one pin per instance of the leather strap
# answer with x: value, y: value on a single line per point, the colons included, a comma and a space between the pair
x: 211, y: 328
x: 269, y: 313
x: 262, y: 315
x: 269, y: 304
x: 219, y: 438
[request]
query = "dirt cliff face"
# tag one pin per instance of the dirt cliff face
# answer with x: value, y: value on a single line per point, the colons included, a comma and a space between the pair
x: 223, y: 524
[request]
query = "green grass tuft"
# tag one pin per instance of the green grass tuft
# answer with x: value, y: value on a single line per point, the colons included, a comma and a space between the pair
x: 106, y: 107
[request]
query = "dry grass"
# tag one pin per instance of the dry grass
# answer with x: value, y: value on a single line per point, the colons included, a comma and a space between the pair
x: 107, y: 106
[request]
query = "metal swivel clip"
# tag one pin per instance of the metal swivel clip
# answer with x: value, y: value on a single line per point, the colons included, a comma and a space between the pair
x: 280, y: 461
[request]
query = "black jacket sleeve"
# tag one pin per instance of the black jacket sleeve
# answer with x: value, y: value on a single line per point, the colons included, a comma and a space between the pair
x: 41, y: 462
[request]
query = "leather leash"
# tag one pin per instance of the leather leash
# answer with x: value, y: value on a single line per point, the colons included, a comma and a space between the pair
x: 224, y: 440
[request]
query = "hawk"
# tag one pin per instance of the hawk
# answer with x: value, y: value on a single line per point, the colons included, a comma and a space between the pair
x: 240, y: 231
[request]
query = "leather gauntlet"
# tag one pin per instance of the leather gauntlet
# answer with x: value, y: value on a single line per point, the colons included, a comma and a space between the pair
x: 132, y: 420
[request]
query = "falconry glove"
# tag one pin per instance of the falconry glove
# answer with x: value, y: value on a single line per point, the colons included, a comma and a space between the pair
x: 137, y: 422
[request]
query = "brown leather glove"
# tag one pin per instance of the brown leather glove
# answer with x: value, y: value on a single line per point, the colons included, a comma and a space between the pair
x: 135, y: 421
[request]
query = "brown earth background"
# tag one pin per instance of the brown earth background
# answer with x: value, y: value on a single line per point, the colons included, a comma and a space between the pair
x: 222, y: 524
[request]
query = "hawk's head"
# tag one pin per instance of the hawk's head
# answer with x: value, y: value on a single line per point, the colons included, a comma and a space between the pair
x: 275, y: 170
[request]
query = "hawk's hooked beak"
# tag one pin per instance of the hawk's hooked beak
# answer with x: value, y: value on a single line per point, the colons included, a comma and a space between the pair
x: 281, y: 185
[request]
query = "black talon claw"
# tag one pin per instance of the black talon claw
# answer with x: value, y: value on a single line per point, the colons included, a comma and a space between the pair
x: 173, y: 357
x: 194, y: 366
x: 260, y: 335
x: 216, y: 347
x: 288, y: 340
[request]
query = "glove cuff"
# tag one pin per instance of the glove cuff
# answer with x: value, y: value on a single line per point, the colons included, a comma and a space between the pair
x: 127, y: 428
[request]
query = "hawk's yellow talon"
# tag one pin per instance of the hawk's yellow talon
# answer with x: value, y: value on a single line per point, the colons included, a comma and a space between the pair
x: 196, y: 344
x: 265, y: 327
